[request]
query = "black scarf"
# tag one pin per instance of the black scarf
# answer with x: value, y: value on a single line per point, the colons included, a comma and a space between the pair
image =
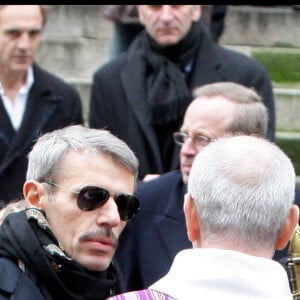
x: 167, y: 91
x: 26, y: 238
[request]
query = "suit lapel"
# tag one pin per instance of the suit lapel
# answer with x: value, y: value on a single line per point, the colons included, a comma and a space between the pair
x: 170, y: 225
x: 7, y: 132
x: 172, y: 234
x: 135, y: 92
x: 206, y: 69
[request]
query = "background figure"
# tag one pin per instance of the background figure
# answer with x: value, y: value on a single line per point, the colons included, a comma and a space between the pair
x: 32, y: 101
x: 218, y: 109
x: 126, y: 25
x: 13, y: 206
x: 238, y: 210
x: 153, y: 82
x: 61, y: 246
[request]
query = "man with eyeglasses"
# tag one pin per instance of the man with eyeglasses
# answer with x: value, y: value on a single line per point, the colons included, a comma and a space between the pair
x: 78, y: 196
x: 149, y: 243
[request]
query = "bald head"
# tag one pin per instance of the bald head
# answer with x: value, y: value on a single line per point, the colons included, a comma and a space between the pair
x: 243, y: 188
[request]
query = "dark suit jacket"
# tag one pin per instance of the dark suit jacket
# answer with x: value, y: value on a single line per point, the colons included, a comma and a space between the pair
x: 14, y: 284
x: 118, y: 98
x: 52, y: 104
x: 150, y: 241
x: 153, y: 237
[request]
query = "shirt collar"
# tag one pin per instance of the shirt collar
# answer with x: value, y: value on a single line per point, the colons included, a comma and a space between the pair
x: 26, y: 87
x: 29, y: 81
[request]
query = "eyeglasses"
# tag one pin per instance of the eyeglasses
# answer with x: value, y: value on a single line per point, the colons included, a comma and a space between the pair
x: 198, y: 140
x: 93, y: 197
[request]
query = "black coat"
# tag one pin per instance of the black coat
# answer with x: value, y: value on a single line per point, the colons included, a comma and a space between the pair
x: 118, y: 95
x: 150, y: 241
x: 14, y: 284
x: 51, y: 104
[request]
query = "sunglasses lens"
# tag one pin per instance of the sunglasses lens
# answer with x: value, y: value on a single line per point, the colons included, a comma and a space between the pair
x: 91, y: 198
x: 128, y: 206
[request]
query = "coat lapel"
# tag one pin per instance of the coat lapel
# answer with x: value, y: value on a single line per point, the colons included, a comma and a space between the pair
x: 134, y: 88
x: 7, y: 132
x: 170, y: 224
x: 206, y: 69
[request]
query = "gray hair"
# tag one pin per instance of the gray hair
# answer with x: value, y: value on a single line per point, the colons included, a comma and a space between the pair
x: 250, y: 116
x: 243, y: 188
x: 50, y: 150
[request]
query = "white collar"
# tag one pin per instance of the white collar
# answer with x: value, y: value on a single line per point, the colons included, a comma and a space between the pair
x: 224, y: 274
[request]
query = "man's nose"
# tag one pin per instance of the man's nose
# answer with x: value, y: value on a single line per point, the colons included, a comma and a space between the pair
x: 24, y: 41
x: 109, y: 213
x: 189, y: 147
x: 166, y: 13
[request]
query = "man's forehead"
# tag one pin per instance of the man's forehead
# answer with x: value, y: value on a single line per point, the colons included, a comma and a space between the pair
x: 203, y: 103
x: 23, y: 15
x: 209, y: 112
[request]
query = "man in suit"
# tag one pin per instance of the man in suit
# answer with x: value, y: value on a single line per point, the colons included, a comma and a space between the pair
x: 142, y: 95
x: 150, y: 242
x: 32, y: 101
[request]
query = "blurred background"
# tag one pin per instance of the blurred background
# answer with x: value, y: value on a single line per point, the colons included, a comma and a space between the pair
x: 77, y: 38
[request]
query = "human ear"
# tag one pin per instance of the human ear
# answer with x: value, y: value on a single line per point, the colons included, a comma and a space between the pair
x: 140, y: 13
x: 33, y: 192
x: 191, y: 218
x: 196, y: 12
x: 288, y: 228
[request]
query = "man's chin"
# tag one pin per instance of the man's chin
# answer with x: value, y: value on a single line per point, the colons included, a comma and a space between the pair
x: 168, y: 41
x: 96, y: 265
x: 21, y: 67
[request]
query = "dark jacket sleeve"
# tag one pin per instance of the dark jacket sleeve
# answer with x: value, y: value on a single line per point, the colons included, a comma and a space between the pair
x: 14, y: 284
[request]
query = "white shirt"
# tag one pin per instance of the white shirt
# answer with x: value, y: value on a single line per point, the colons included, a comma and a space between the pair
x: 16, y: 109
x: 212, y: 274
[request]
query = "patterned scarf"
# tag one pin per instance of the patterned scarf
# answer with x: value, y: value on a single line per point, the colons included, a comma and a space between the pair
x: 26, y: 239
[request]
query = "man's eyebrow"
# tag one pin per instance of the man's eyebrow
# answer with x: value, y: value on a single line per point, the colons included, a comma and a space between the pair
x: 22, y: 29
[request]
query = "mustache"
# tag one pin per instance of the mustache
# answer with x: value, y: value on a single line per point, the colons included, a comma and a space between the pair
x: 102, y: 232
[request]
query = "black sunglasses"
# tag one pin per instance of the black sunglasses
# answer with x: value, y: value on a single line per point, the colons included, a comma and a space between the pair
x: 93, y: 197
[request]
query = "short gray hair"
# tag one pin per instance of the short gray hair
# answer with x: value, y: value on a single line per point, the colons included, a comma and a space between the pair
x: 250, y: 116
x: 243, y: 188
x: 50, y: 150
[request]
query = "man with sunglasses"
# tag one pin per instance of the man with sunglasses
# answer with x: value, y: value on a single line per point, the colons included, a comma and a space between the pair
x: 78, y: 196
x: 150, y: 242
